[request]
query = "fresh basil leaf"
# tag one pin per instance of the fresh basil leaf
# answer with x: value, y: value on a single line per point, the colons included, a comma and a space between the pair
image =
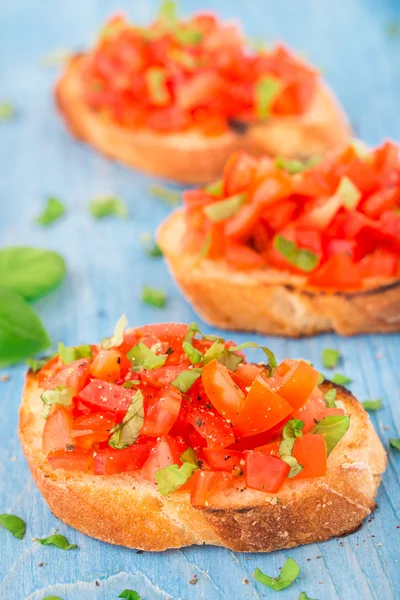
x: 295, y: 467
x: 215, y: 188
x: 214, y: 352
x: 349, y: 193
x: 154, y: 296
x: 330, y: 357
x: 35, y: 364
x: 193, y: 328
x: 53, y: 210
x: 188, y: 37
x: 52, y: 598
x: 105, y: 206
x: 142, y: 357
x: 30, y: 272
x: 118, y: 336
x: 126, y: 433
x: 372, y: 404
x: 56, y: 540
x: 333, y: 429
x: 302, y: 258
x: 21, y: 331
x: 270, y: 355
x: 186, y: 379
x: 70, y: 353
x: 288, y: 574
x: 224, y: 209
x: 330, y: 397
x: 291, y: 431
x: 189, y: 456
x: 165, y: 194
x: 303, y: 596
x: 395, y: 443
x: 59, y: 395
x: 340, y: 379
x: 321, y: 379
x: 129, y: 595
x: 150, y: 247
x: 167, y: 14
x: 130, y: 384
x: 296, y: 166
x: 156, y: 80
x: 195, y: 356
x: 171, y: 478
x: 7, y: 112
x: 14, y: 524
x: 267, y: 89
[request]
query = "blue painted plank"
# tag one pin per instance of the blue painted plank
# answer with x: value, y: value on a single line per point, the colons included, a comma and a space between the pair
x: 106, y: 270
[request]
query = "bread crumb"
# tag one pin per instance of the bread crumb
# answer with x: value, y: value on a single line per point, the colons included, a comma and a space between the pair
x: 245, y: 581
x: 194, y: 580
x: 5, y: 378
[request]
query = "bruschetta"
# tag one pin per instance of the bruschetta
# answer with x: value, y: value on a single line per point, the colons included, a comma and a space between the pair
x: 293, y: 247
x: 162, y: 437
x: 176, y: 98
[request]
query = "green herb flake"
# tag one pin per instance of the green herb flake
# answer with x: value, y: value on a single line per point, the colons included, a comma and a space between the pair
x: 171, y: 478
x: 117, y: 337
x: 333, y: 429
x: 188, y: 36
x: 128, y: 385
x: 14, y: 525
x: 372, y: 405
x: 215, y: 188
x: 186, y: 379
x: 53, y: 211
x: 189, y: 456
x: 330, y: 397
x: 56, y: 540
x: 129, y: 595
x: 167, y: 14
x: 70, y: 353
x: 7, y: 112
x: 59, y: 395
x: 150, y: 247
x: 349, y: 193
x: 303, y: 596
x: 266, y: 90
x: 52, y: 598
x: 288, y: 574
x: 170, y: 197
x: 126, y: 433
x: 321, y: 379
x: 194, y: 328
x: 35, y: 364
x: 395, y: 443
x: 224, y: 209
x: 302, y: 258
x: 296, y: 166
x: 154, y: 296
x: 292, y: 430
x: 106, y: 206
x: 195, y: 356
x: 269, y: 354
x: 156, y: 78
x: 142, y: 357
x: 340, y: 379
x: 330, y: 357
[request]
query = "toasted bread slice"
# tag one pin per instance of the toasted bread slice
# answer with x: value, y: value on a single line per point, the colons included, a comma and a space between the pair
x: 190, y: 157
x: 270, y: 301
x: 129, y: 511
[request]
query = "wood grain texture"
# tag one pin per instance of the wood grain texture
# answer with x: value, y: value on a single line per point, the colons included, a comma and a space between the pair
x: 107, y: 269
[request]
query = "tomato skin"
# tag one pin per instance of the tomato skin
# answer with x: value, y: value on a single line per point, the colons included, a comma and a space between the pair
x: 73, y: 376
x: 57, y: 430
x: 381, y: 263
x: 310, y: 451
x: 221, y: 459
x: 159, y: 378
x: 100, y: 395
x: 211, y: 425
x: 380, y: 201
x: 206, y: 484
x: 89, y: 429
x: 313, y: 410
x: 108, y: 364
x: 222, y: 391
x: 162, y: 413
x: 165, y: 452
x: 109, y: 461
x: 264, y: 472
x: 49, y: 369
x: 242, y: 257
x: 339, y: 272
x: 76, y: 460
x: 239, y: 171
x: 249, y: 372
x: 298, y: 384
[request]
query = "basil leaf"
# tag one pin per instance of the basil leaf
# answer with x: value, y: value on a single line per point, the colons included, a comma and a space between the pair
x: 295, y: 467
x: 35, y: 364
x: 53, y: 210
x: 118, y: 336
x: 7, y: 112
x: 330, y: 358
x: 224, y: 209
x: 171, y: 478
x: 291, y: 431
x: 296, y: 166
x: 215, y: 188
x: 189, y: 456
x: 267, y: 351
x: 194, y: 355
x: 154, y: 296
x: 126, y: 433
x: 372, y: 404
x: 330, y: 397
x: 156, y: 79
x: 186, y: 379
x: 340, y: 379
x: 321, y: 379
x: 300, y: 257
x: 303, y: 596
x: 142, y: 356
x: 21, y: 331
x: 165, y: 194
x: 167, y: 14
x: 395, y: 443
x: 70, y: 353
x: 266, y: 90
x: 349, y: 193
x: 188, y: 37
x: 60, y: 395
x: 52, y: 598
x: 56, y: 540
x: 14, y: 524
x: 106, y: 206
x: 214, y: 352
x: 129, y: 595
x: 130, y: 384
x: 288, y: 574
x: 193, y: 328
x: 30, y: 271
x: 150, y: 247
x: 333, y: 429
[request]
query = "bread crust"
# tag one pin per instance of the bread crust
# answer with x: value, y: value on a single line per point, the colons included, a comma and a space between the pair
x: 270, y: 301
x: 190, y: 157
x: 126, y: 510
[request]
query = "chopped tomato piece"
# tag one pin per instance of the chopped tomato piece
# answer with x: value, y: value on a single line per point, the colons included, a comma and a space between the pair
x: 206, y: 484
x: 221, y: 459
x: 285, y: 366
x: 222, y: 391
x: 271, y: 449
x: 313, y: 410
x: 159, y: 378
x: 108, y: 364
x: 380, y: 263
x: 57, y: 430
x: 310, y: 452
x: 211, y: 425
x: 75, y: 460
x: 102, y: 396
x: 162, y: 412
x: 249, y: 372
x: 109, y: 461
x: 92, y: 428
x: 74, y: 376
x: 239, y: 172
x: 379, y: 201
x: 298, y: 384
x: 339, y: 272
x: 217, y: 244
x: 264, y: 472
x: 165, y: 452
x: 243, y: 258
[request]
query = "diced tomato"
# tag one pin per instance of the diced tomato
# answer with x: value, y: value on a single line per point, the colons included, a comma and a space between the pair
x: 239, y: 171
x: 48, y: 370
x: 162, y: 413
x: 92, y: 428
x: 75, y: 460
x: 264, y: 472
x: 332, y: 412
x: 279, y: 215
x: 165, y: 452
x: 109, y: 461
x: 57, y: 430
x: 74, y: 376
x: 322, y: 214
x: 313, y: 410
x: 222, y: 391
x: 310, y: 452
x: 250, y: 371
x: 380, y: 263
x: 271, y: 449
x: 285, y: 366
x: 206, y: 484
x: 108, y: 364
x: 390, y: 224
x: 217, y: 241
x: 221, y: 459
x: 211, y: 425
x: 261, y: 410
x: 341, y: 246
x: 242, y: 257
x: 298, y: 384
x: 102, y: 396
x: 159, y: 378
x: 195, y: 199
x: 380, y: 201
x: 309, y: 239
x: 339, y: 272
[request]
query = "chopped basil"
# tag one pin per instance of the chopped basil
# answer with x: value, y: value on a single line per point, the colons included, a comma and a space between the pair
x: 296, y: 166
x: 130, y: 384
x: 348, y: 192
x: 129, y: 595
x: 340, y: 379
x: 333, y: 429
x: 195, y: 356
x: 126, y: 433
x: 288, y: 574
x: 56, y: 540
x: 303, y: 596
x: 7, y: 112
x: 35, y: 364
x: 154, y: 296
x: 53, y: 210
x: 372, y: 404
x: 302, y: 258
x: 150, y: 247
x: 267, y: 351
x: 291, y: 431
x: 167, y: 14
x: 156, y: 78
x: 321, y: 379
x: 224, y: 209
x: 52, y: 598
x: 330, y: 397
x: 165, y: 194
x: 186, y: 379
x: 395, y: 443
x: 71, y: 353
x: 59, y: 395
x: 189, y: 456
x: 171, y: 478
x: 215, y: 188
x: 14, y: 524
x: 194, y: 328
x: 267, y: 88
x: 188, y: 37
x: 142, y: 357
x: 105, y: 206
x: 330, y: 357
x: 118, y: 336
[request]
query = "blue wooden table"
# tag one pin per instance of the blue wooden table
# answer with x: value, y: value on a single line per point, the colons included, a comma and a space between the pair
x: 356, y: 46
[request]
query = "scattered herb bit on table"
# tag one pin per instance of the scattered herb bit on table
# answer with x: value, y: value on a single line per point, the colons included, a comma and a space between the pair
x: 372, y: 404
x: 330, y: 357
x: 56, y: 540
x: 154, y: 296
x: 14, y: 524
x: 53, y: 211
x: 106, y: 206
x: 288, y: 574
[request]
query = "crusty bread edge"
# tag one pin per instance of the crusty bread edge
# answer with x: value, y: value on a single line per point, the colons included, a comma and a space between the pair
x: 126, y: 510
